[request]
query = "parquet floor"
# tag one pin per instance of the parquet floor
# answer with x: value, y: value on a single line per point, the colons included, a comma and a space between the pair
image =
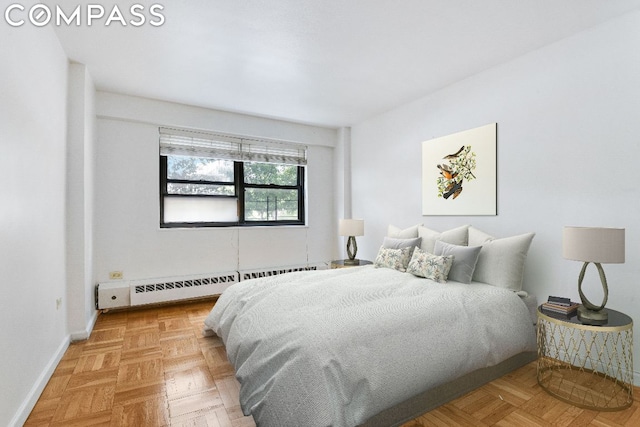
x: 516, y: 399
x: 153, y: 367
x: 149, y: 367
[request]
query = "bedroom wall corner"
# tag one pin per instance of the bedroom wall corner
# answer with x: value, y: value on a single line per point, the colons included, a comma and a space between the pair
x: 33, y: 135
x: 81, y: 311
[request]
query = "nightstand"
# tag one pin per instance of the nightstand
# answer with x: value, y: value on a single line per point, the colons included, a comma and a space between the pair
x: 584, y: 365
x: 340, y: 263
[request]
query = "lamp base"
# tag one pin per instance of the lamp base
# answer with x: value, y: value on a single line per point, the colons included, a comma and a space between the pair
x: 592, y: 317
x: 352, y: 249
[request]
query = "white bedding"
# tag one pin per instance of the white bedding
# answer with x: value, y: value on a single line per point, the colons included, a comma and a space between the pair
x: 335, y: 347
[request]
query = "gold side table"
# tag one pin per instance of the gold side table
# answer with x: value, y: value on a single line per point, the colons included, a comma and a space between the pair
x: 341, y: 263
x: 584, y: 365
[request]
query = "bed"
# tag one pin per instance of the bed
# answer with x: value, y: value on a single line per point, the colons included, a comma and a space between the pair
x: 371, y: 345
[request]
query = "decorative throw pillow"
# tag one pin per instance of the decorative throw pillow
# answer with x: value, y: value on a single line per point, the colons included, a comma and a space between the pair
x: 407, y: 233
x: 464, y: 262
x: 455, y: 236
x: 501, y: 261
x: 393, y: 258
x: 429, y: 266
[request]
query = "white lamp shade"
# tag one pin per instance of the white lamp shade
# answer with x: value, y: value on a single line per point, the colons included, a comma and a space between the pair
x: 351, y: 227
x: 593, y: 244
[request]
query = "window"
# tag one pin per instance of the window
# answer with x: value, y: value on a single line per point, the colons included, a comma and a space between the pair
x: 214, y: 180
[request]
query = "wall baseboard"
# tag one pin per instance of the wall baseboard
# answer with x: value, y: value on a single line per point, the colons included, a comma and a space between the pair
x: 84, y: 335
x: 30, y: 401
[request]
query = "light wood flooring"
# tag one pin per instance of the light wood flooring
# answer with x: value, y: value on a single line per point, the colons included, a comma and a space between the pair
x: 153, y: 367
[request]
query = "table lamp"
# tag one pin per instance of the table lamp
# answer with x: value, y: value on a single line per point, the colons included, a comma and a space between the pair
x: 351, y: 228
x: 593, y: 245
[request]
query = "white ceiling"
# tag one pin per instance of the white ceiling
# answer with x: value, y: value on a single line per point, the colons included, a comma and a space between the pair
x: 325, y: 62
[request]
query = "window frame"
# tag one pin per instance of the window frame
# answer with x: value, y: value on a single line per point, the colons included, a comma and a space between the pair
x: 240, y: 186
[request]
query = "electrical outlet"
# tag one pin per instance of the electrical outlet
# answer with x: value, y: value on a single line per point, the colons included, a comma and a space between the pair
x: 115, y: 275
x: 58, y: 303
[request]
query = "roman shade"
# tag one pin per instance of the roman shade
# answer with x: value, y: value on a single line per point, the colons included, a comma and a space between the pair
x: 220, y: 146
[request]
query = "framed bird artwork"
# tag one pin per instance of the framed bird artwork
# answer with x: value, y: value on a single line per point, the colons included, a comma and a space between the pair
x: 459, y: 173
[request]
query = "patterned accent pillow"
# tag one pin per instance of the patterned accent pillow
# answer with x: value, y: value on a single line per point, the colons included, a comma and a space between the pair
x: 393, y: 258
x: 429, y: 266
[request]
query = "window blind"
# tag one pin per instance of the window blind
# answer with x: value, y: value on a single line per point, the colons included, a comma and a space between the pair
x: 203, y: 144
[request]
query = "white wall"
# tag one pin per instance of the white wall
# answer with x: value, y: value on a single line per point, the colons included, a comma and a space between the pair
x: 127, y: 233
x: 81, y: 121
x: 568, y: 144
x: 33, y: 120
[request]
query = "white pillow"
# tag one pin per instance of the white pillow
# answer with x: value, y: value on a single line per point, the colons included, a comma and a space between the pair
x: 455, y: 236
x: 477, y: 237
x: 407, y: 233
x: 501, y: 261
x: 464, y: 262
x: 429, y: 266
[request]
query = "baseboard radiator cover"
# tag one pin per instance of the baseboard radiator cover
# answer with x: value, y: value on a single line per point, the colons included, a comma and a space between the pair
x: 122, y: 294
x: 178, y: 288
x: 274, y: 271
x: 160, y: 290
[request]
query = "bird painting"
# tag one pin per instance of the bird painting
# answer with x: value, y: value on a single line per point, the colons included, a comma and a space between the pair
x: 460, y: 166
x: 447, y: 172
x: 456, y: 154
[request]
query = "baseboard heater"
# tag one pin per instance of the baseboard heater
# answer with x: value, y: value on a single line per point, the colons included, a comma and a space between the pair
x: 266, y: 272
x: 122, y: 294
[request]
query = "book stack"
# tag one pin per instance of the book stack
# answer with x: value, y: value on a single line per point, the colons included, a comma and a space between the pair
x: 560, y: 306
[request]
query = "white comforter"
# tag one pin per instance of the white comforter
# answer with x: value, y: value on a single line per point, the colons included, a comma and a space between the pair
x: 335, y: 347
